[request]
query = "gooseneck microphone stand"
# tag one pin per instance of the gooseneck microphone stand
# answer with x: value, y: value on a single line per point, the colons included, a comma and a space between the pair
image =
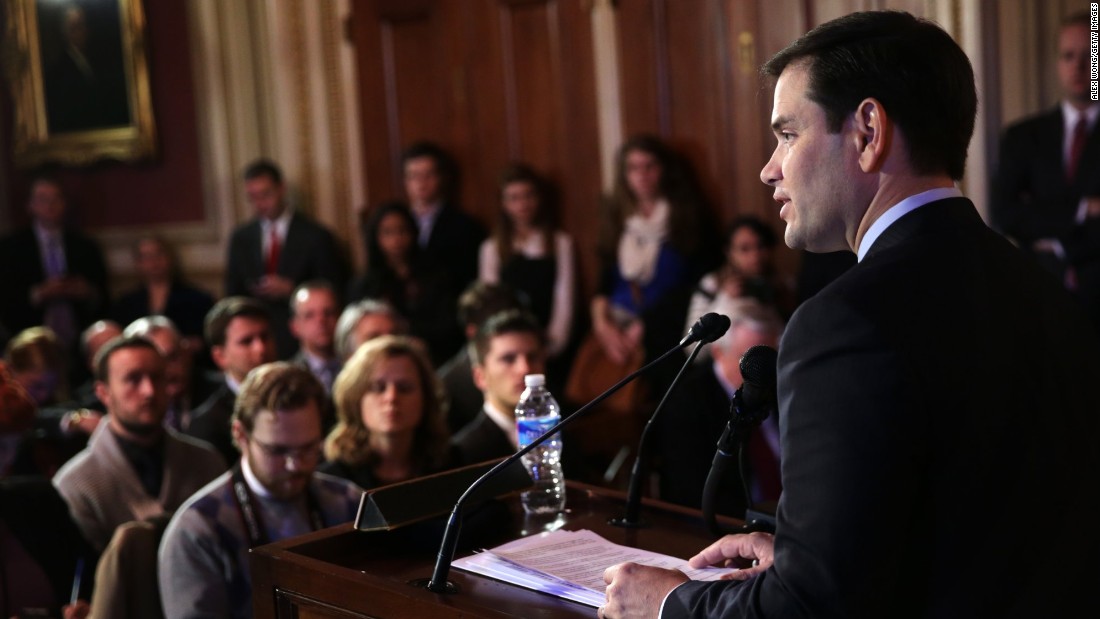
x: 438, y: 583
x: 752, y: 403
x: 630, y: 518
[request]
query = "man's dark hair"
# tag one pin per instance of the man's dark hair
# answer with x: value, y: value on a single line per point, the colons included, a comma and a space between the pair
x: 1077, y: 18
x: 914, y: 68
x: 276, y: 387
x: 503, y: 323
x: 223, y: 313
x: 264, y: 167
x: 445, y: 166
x: 103, y: 357
x: 481, y: 300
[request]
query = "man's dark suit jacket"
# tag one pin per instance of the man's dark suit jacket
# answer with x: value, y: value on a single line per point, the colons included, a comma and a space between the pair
x: 454, y: 244
x: 186, y: 307
x: 22, y: 260
x: 1033, y: 200
x: 694, y: 418
x: 464, y: 398
x: 309, y: 252
x: 933, y: 400
x: 481, y: 440
x: 210, y: 422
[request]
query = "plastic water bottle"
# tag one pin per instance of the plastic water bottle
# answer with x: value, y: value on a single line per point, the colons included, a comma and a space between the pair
x: 536, y: 412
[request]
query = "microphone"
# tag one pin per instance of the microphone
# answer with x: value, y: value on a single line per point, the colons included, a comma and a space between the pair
x: 750, y: 406
x: 707, y: 329
x: 438, y: 582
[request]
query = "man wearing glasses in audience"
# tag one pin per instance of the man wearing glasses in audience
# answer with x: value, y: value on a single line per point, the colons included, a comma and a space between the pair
x: 272, y: 493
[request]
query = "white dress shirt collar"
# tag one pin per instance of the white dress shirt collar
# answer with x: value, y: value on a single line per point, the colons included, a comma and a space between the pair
x: 899, y: 210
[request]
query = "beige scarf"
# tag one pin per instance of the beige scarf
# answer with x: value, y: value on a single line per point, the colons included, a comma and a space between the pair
x: 640, y: 244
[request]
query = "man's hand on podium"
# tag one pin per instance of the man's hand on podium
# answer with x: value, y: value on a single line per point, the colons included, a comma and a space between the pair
x: 751, y: 552
x: 637, y: 591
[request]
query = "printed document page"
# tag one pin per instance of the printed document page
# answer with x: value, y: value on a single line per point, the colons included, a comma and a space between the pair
x: 570, y: 564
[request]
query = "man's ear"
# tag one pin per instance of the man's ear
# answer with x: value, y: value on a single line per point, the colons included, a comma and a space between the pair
x: 101, y: 391
x: 872, y: 134
x: 239, y: 435
x: 217, y: 354
x: 479, y: 377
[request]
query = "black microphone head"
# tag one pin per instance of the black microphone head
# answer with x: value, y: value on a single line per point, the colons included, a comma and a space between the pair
x: 708, y: 328
x: 758, y: 365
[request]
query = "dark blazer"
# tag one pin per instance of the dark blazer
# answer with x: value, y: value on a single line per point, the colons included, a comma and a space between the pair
x: 309, y: 252
x: 689, y: 428
x: 481, y: 440
x: 186, y: 307
x: 463, y: 397
x: 930, y: 397
x: 22, y: 260
x: 453, y: 245
x: 210, y: 422
x: 1033, y: 200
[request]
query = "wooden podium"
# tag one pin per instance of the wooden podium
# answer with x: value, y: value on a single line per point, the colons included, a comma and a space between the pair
x: 341, y: 572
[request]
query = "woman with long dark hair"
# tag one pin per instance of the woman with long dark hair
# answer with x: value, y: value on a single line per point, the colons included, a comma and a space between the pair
x: 529, y: 253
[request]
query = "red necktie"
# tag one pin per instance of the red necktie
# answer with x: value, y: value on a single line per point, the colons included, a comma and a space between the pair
x: 1080, y: 134
x: 273, y: 252
x: 765, y: 468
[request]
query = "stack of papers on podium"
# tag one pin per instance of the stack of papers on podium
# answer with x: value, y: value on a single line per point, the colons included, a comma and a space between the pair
x: 569, y: 564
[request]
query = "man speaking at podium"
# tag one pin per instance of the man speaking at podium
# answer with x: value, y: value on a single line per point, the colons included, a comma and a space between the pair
x: 937, y: 406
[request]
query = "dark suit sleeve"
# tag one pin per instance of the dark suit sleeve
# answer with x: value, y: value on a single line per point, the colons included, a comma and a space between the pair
x: 1027, y: 201
x: 237, y: 273
x: 853, y: 432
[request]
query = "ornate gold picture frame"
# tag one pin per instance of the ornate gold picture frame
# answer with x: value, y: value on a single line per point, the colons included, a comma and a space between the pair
x: 80, y: 81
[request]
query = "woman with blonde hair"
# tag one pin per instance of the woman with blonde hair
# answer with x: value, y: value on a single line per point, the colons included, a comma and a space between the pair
x: 390, y: 417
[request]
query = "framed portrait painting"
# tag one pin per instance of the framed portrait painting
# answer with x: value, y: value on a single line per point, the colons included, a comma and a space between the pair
x: 80, y: 81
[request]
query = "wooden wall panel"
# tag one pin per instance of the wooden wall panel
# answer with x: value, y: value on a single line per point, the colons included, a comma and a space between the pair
x: 492, y: 81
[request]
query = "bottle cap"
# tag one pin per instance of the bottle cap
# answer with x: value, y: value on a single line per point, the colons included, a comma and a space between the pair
x: 534, y: 380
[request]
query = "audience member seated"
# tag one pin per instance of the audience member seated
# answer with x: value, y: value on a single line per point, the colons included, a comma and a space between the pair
x: 53, y: 275
x: 31, y: 444
x: 400, y: 275
x: 748, y: 272
x: 477, y: 304
x: 36, y: 361
x: 278, y: 250
x: 390, y: 411
x: 132, y: 468
x: 363, y: 321
x: 178, y: 376
x: 163, y: 291
x: 314, y: 310
x: 528, y: 252
x: 508, y: 347
x: 203, y: 559
x: 41, y: 550
x: 447, y: 236
x: 126, y: 578
x: 238, y: 331
x: 91, y: 340
x: 698, y: 411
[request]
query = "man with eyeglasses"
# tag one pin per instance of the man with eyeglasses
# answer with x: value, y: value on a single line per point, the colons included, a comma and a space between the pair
x: 272, y: 493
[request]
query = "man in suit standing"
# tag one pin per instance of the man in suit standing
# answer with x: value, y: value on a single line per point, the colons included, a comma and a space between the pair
x: 1046, y: 193
x: 449, y: 238
x: 278, y: 250
x: 508, y: 347
x: 928, y: 396
x: 53, y: 275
